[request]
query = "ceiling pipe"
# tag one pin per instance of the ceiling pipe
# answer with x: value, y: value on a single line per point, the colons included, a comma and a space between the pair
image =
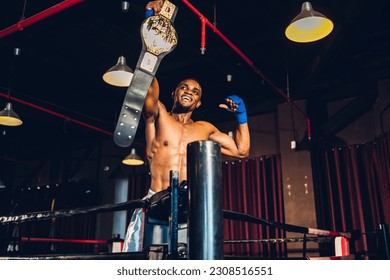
x: 69, y: 3
x: 204, y: 20
x: 55, y: 114
x: 234, y: 48
x: 203, y: 36
x: 19, y: 26
x: 62, y: 116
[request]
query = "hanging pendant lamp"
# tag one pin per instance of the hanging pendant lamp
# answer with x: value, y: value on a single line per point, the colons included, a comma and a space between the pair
x: 119, y: 75
x: 133, y: 159
x: 8, y: 117
x: 308, y: 26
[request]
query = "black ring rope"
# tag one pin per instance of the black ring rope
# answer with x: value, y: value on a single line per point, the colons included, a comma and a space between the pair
x: 140, y: 203
x: 282, y: 240
x: 232, y: 215
x: 45, y: 215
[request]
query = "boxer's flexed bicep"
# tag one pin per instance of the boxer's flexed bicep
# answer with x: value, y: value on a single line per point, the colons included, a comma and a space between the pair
x: 239, y: 144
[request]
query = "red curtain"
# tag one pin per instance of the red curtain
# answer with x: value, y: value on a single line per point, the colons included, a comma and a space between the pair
x: 356, y: 192
x: 254, y: 187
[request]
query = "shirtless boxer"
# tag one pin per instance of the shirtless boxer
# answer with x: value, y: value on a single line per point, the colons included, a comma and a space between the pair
x: 168, y: 132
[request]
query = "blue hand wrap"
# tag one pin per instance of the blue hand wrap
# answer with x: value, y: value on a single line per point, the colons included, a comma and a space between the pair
x: 241, y: 110
x: 149, y: 13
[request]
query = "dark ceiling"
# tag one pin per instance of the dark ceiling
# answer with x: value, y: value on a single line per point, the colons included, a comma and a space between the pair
x: 58, y: 91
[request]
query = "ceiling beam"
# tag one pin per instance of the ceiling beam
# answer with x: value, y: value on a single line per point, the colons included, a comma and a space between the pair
x: 20, y: 25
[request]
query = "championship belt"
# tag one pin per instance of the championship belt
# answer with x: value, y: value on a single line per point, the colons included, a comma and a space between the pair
x: 158, y: 39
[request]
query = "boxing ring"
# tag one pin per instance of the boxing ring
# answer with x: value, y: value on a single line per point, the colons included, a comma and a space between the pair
x: 201, y: 205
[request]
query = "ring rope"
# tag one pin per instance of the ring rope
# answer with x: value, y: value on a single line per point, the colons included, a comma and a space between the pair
x: 140, y: 203
x: 232, y: 215
x: 45, y: 215
x: 62, y: 240
x: 282, y: 240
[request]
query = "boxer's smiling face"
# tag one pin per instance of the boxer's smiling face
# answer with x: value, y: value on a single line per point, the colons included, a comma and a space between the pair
x: 187, y: 96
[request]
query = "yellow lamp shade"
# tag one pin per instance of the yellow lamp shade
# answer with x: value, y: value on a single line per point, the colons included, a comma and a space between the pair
x: 133, y: 159
x: 119, y: 75
x: 8, y: 117
x: 308, y: 26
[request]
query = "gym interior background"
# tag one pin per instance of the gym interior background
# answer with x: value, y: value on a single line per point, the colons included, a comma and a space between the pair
x: 303, y: 100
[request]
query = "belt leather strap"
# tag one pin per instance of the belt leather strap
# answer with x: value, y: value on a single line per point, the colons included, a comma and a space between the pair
x: 158, y: 39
